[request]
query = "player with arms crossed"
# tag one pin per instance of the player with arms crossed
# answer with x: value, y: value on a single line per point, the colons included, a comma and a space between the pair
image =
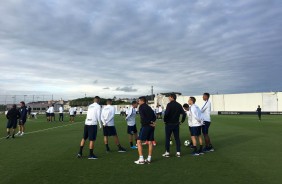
x: 109, y: 129
x: 147, y: 131
x: 93, y: 118
x: 131, y: 124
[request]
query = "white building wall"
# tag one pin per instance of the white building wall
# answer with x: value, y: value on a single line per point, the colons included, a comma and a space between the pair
x: 234, y: 102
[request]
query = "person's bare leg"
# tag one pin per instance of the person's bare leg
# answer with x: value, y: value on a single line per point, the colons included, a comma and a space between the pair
x: 194, y: 141
x: 116, y: 140
x: 82, y: 142
x: 207, y: 140
x: 150, y: 151
x: 106, y: 141
x: 91, y: 145
x: 140, y: 149
x: 200, y: 140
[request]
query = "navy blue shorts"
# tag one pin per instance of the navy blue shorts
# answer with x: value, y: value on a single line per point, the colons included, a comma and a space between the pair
x: 205, y: 128
x: 90, y: 132
x: 196, y: 131
x: 47, y: 114
x: 146, y: 133
x: 22, y: 122
x: 12, y: 123
x: 52, y: 114
x: 132, y: 130
x: 109, y: 131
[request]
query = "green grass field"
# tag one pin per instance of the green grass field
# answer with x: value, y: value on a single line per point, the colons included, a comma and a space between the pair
x: 247, y: 151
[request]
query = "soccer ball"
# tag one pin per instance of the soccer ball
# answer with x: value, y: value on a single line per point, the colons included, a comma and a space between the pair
x: 186, y: 143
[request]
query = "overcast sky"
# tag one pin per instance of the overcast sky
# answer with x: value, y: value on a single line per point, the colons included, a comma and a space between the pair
x: 123, y: 47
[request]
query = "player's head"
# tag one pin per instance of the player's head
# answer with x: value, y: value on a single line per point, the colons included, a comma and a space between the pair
x: 172, y: 97
x: 142, y: 100
x: 258, y: 106
x: 109, y: 101
x: 134, y: 104
x: 52, y: 105
x: 186, y: 107
x: 22, y: 103
x: 206, y: 96
x: 14, y: 106
x: 97, y: 99
x: 192, y: 100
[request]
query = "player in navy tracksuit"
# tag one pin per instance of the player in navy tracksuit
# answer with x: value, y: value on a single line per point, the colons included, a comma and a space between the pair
x: 171, y: 119
x: 23, y: 112
x: 147, y: 131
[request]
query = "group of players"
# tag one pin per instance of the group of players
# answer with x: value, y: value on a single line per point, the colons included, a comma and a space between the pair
x: 199, y: 121
x: 14, y: 115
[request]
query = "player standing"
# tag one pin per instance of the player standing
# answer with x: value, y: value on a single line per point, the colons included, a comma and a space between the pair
x: 131, y: 124
x: 13, y: 115
x: 109, y: 129
x: 195, y: 122
x: 171, y: 119
x: 259, y: 112
x: 23, y: 117
x: 147, y: 131
x: 61, y: 113
x: 206, y: 117
x: 93, y: 118
x: 71, y: 112
x: 51, y: 113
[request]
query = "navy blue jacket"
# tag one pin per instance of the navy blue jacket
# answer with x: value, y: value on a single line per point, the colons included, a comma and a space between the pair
x: 172, y: 113
x: 147, y: 115
x: 23, y: 112
x: 13, y: 114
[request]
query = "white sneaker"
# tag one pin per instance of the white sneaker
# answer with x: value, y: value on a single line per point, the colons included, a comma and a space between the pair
x: 21, y: 134
x: 166, y: 154
x: 17, y: 134
x: 140, y: 162
x: 178, y: 154
x: 147, y: 161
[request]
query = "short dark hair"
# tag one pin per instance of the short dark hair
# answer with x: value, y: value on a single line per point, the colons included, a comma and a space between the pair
x: 143, y: 98
x: 134, y: 102
x: 97, y: 97
x: 22, y: 102
x: 14, y: 106
x: 193, y: 99
x: 173, y: 95
x: 207, y: 94
x: 109, y: 100
x: 186, y: 105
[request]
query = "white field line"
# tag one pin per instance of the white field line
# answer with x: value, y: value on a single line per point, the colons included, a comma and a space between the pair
x: 47, y: 129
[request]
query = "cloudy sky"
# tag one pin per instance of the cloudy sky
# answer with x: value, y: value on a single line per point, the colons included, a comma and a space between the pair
x: 123, y: 47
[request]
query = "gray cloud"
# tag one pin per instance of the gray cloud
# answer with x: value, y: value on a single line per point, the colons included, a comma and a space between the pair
x: 192, y: 46
x: 126, y: 89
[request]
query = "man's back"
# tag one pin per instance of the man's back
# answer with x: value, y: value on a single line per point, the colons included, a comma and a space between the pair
x: 172, y: 113
x: 108, y: 114
x: 93, y: 114
x: 147, y: 115
x: 13, y: 114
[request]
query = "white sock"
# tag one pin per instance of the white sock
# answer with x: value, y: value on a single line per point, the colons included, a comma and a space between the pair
x: 141, y: 158
x: 149, y: 158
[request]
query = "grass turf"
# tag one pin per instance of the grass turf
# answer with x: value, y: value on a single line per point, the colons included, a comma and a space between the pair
x: 247, y: 151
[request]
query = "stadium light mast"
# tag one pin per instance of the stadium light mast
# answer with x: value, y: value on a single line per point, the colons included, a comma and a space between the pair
x: 152, y: 90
